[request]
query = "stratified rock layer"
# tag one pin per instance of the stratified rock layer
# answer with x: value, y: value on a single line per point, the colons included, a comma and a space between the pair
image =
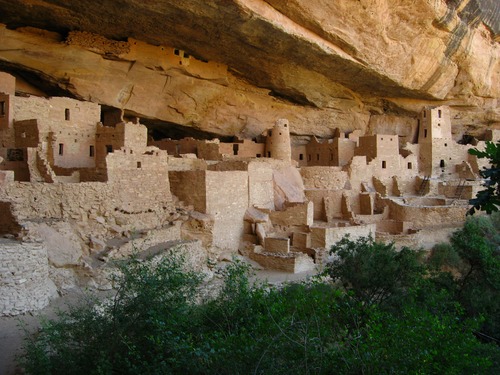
x: 321, y: 64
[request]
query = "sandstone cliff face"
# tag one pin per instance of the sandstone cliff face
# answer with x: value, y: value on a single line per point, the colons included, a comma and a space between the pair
x: 321, y: 64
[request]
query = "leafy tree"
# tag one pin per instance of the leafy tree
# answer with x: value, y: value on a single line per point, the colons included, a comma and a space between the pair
x: 140, y: 330
x: 375, y: 272
x: 478, y: 287
x: 158, y: 324
x: 488, y: 199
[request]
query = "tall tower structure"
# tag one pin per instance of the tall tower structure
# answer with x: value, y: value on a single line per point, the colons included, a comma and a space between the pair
x: 278, y: 141
x: 434, y: 138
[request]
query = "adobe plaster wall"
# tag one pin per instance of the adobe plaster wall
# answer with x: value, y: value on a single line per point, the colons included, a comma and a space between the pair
x: 227, y: 201
x: 66, y: 128
x: 260, y: 185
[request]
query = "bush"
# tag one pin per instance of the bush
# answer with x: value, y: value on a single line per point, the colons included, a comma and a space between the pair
x: 375, y: 272
x: 140, y: 330
x: 478, y: 287
x: 157, y: 324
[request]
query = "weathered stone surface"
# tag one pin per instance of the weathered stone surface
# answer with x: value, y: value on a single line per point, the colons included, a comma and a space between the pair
x: 254, y: 215
x: 336, y: 63
x: 288, y: 187
x: 63, y: 246
x: 24, y: 277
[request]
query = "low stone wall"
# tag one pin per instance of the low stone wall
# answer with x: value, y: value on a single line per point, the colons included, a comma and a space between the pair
x: 325, y: 236
x: 277, y: 245
x: 293, y: 214
x: 427, y: 216
x: 393, y: 226
x: 24, y: 277
x: 85, y: 201
x: 291, y: 262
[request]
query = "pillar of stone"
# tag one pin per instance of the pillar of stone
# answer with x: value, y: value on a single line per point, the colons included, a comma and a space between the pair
x: 278, y: 141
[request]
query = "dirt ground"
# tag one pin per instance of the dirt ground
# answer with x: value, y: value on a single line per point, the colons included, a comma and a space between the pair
x: 12, y: 329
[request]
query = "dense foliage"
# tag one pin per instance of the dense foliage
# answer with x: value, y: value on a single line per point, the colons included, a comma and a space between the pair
x: 375, y: 310
x: 488, y: 199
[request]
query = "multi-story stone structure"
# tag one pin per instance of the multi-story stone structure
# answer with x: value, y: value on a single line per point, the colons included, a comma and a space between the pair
x: 102, y: 185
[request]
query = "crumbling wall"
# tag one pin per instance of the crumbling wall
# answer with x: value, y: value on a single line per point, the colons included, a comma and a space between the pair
x: 325, y: 236
x: 327, y: 203
x: 291, y: 262
x: 299, y: 214
x: 426, y: 216
x: 190, y: 187
x: 209, y: 150
x: 8, y: 223
x: 329, y: 178
x: 88, y: 201
x: 24, y: 277
x: 97, y: 43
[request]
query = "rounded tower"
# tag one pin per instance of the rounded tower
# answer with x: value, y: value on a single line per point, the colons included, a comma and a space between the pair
x: 278, y: 141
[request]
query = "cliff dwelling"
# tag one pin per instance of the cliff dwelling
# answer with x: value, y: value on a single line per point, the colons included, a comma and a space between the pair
x: 79, y: 188
x: 255, y: 131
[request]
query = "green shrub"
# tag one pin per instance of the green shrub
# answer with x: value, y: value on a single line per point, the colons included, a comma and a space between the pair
x: 375, y: 272
x: 157, y: 324
x: 478, y: 288
x: 140, y: 330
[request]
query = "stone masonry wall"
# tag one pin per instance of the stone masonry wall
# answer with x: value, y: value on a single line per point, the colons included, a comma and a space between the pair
x: 427, y: 216
x: 24, y: 282
x: 260, y: 185
x: 66, y: 128
x: 227, y: 201
x: 87, y: 200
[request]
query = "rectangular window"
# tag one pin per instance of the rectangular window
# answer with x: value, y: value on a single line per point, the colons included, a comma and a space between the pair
x: 383, y: 164
x: 66, y: 114
x: 301, y: 156
x: 109, y: 148
x: 91, y: 151
x: 439, y: 113
x: 139, y: 165
x: 2, y: 108
x: 409, y: 165
x: 425, y: 133
x: 317, y: 157
x: 61, y: 149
